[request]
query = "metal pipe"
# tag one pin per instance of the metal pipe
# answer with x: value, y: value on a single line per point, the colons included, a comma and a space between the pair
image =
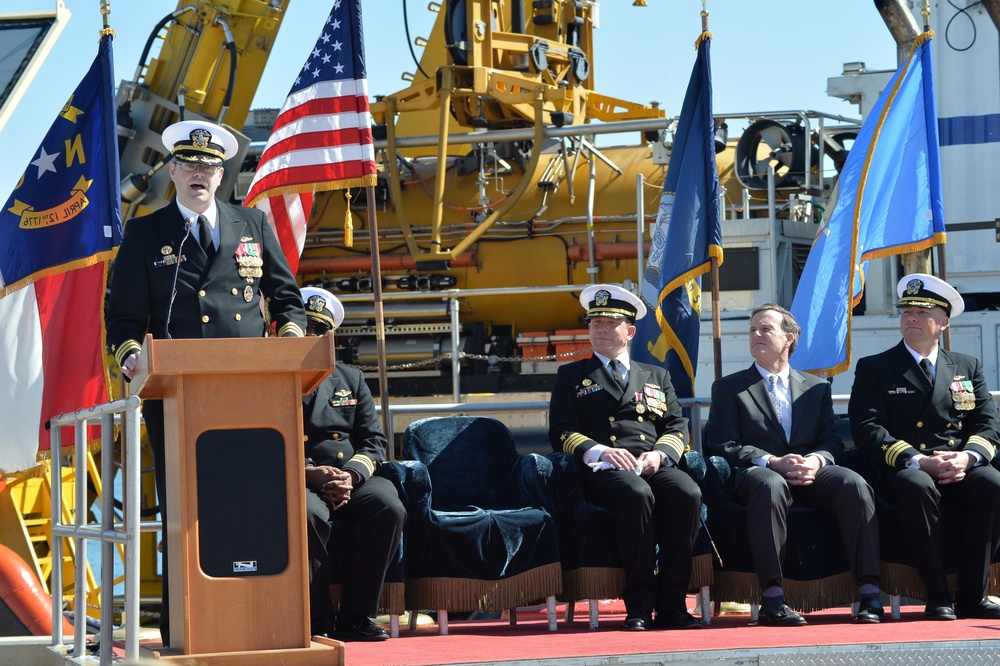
x: 625, y: 126
x: 107, y: 546
x: 901, y: 23
x: 993, y: 9
x: 607, y: 251
x: 640, y: 227
x: 132, y: 516
x: 79, y: 590
x: 456, y: 352
x: 56, y: 585
x: 773, y: 232
x: 388, y: 262
x: 463, y: 293
x: 591, y: 186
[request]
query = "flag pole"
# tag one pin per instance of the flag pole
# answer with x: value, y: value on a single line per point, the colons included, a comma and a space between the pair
x: 716, y: 311
x: 383, y: 378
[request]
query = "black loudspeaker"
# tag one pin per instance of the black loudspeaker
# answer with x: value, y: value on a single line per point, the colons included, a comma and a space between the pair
x: 242, y: 503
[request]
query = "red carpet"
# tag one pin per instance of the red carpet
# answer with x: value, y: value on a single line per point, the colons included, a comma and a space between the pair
x: 492, y: 641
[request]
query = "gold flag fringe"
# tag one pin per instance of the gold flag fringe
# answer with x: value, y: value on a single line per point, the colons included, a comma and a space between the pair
x: 391, y: 602
x: 904, y: 580
x: 469, y: 594
x: 803, y: 595
x: 702, y: 572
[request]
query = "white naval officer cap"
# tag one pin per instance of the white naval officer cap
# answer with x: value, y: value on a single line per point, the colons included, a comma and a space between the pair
x: 928, y: 291
x: 322, y: 306
x: 612, y: 301
x: 200, y: 142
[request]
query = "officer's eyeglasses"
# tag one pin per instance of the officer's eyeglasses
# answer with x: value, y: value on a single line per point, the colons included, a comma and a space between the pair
x: 191, y: 167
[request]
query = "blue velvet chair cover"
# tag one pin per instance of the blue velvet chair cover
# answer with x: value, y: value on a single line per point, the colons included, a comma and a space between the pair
x: 480, y: 536
x: 817, y: 573
x: 591, y: 564
x: 899, y: 572
x: 392, y: 601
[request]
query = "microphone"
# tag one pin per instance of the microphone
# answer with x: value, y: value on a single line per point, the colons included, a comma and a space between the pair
x: 177, y: 270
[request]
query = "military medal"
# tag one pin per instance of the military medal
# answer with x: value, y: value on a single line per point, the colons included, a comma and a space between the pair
x: 249, y: 261
x: 248, y: 294
x: 166, y: 249
x: 963, y: 395
x: 587, y: 382
x: 640, y: 408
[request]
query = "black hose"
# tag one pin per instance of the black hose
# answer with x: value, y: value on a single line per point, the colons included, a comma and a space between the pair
x: 409, y: 42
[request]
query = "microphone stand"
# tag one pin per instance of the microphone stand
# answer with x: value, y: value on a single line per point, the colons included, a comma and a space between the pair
x: 177, y: 270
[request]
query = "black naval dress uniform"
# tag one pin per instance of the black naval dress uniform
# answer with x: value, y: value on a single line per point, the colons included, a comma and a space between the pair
x: 589, y: 408
x: 342, y: 431
x: 216, y: 297
x: 895, y: 414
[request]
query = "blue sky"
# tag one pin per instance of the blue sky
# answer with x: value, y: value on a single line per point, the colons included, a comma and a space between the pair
x: 766, y: 55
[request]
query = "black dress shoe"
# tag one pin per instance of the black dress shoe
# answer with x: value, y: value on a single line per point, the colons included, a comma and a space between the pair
x: 638, y: 621
x: 356, y: 627
x: 939, y: 609
x: 984, y: 610
x: 676, y: 620
x: 782, y: 617
x: 323, y: 626
x: 870, y: 612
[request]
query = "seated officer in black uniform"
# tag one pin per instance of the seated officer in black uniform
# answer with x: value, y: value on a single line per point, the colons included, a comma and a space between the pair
x: 621, y: 420
x: 344, y: 445
x: 926, y: 416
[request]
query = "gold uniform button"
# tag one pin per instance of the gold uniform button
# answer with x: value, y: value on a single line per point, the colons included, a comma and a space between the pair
x: 611, y: 419
x: 336, y: 435
x: 204, y: 319
x: 340, y: 455
x: 642, y: 438
x: 923, y: 446
x: 235, y: 291
x: 920, y: 424
x: 949, y: 425
x: 238, y: 316
x: 202, y: 293
x: 951, y: 442
x: 613, y: 438
x: 640, y: 419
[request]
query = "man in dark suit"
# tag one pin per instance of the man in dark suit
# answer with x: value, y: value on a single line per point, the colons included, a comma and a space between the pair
x: 926, y: 416
x: 344, y: 445
x: 776, y: 428
x: 621, y: 420
x: 196, y: 268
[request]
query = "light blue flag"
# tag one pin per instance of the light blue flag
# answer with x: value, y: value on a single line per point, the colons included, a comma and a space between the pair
x: 686, y: 235
x: 888, y: 202
x: 65, y: 211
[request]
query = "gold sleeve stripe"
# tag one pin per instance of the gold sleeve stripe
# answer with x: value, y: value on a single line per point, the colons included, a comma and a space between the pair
x: 893, y: 452
x: 672, y: 441
x: 364, y: 461
x: 125, y: 349
x: 291, y: 329
x: 571, y: 440
x: 985, y: 443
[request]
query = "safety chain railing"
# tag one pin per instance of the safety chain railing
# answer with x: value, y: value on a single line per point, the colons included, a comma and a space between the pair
x: 492, y: 359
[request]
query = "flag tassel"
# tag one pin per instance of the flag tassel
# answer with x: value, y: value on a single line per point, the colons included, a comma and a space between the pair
x: 348, y: 222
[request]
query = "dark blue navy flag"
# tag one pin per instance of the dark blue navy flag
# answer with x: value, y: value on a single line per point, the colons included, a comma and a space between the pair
x: 685, y: 237
x: 888, y: 202
x: 65, y: 211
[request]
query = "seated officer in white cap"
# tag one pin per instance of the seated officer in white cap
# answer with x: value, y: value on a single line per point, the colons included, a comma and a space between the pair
x: 196, y: 268
x: 621, y: 419
x: 926, y: 415
x: 344, y: 446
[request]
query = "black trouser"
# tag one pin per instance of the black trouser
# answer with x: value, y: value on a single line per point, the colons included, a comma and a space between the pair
x: 662, y: 510
x: 836, y: 490
x: 920, y: 498
x: 152, y: 413
x: 378, y: 514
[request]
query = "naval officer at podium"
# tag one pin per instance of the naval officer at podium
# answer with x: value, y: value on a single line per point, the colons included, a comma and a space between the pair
x: 196, y: 268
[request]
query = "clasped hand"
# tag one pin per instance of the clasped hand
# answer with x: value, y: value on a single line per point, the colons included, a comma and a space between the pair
x: 947, y: 466
x: 797, y: 470
x: 647, y: 463
x: 334, y: 485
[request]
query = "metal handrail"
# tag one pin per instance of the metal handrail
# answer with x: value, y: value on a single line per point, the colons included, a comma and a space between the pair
x: 107, y: 532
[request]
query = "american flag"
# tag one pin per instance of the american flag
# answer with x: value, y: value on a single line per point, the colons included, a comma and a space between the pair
x: 322, y: 139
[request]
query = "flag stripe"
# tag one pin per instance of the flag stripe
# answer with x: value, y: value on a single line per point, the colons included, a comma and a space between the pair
x: 322, y: 138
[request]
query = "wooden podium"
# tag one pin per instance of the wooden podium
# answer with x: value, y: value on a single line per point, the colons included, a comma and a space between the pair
x: 236, y: 502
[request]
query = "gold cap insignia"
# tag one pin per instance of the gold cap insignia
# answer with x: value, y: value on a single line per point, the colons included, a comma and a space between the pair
x: 914, y: 286
x: 602, y: 297
x: 166, y: 249
x: 201, y: 137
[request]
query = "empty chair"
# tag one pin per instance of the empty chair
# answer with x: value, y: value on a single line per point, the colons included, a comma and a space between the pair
x: 482, y: 537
